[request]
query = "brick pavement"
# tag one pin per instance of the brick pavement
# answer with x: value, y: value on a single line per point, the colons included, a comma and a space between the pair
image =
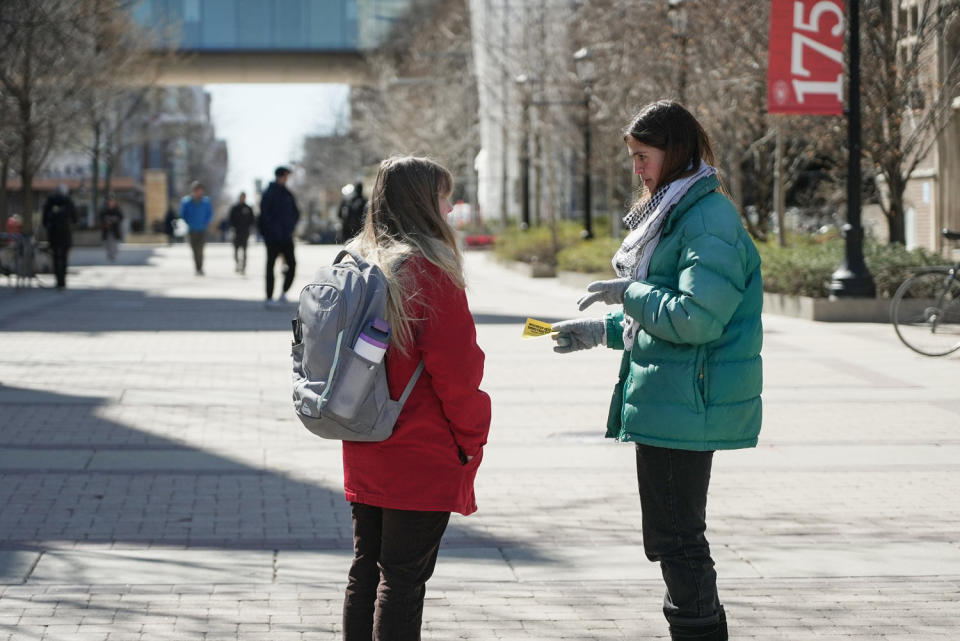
x: 154, y: 484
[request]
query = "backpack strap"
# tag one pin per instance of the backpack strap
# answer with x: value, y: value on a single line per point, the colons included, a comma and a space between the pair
x: 413, y: 381
x: 357, y: 258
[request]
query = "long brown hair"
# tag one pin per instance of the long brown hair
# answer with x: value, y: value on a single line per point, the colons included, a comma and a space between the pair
x: 668, y: 126
x: 405, y: 221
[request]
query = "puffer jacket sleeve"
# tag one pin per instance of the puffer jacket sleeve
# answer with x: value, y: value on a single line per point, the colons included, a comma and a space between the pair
x: 447, y: 340
x: 614, y: 322
x: 710, y: 286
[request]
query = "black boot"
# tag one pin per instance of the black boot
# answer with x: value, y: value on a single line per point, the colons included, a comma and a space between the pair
x: 696, y: 633
x: 716, y: 631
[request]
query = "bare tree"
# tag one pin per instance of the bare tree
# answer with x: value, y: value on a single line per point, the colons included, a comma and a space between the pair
x: 905, y: 107
x: 332, y: 160
x: 713, y: 57
x: 58, y: 62
x: 423, y: 96
x: 42, y: 80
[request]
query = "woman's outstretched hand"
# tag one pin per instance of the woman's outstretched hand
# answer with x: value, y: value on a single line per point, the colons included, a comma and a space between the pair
x: 577, y: 334
x: 607, y: 291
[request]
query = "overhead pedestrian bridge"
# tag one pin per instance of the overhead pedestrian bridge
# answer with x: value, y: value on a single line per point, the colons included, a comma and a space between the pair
x: 221, y: 41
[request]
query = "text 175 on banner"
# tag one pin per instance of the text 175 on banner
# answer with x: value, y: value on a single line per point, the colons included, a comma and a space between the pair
x: 805, y: 70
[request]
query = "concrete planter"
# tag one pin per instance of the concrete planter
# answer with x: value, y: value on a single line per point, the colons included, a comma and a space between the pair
x: 534, y: 270
x: 840, y: 310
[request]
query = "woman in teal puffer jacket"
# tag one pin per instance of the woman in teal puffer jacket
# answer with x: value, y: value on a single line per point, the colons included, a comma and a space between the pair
x: 689, y: 297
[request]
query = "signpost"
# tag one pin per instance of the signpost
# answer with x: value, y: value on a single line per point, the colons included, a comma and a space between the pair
x: 805, y: 76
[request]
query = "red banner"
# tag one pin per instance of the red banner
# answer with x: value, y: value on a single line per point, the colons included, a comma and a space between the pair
x: 805, y: 70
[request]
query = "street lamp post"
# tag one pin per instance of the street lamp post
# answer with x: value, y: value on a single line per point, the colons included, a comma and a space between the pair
x: 677, y: 15
x: 852, y: 278
x: 523, y: 82
x: 587, y: 73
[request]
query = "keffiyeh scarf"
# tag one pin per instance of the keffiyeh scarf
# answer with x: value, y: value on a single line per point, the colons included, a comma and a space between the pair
x: 645, y: 221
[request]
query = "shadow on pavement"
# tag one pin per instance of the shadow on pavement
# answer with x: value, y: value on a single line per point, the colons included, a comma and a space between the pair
x: 505, y: 319
x: 69, y: 473
x: 129, y: 255
x: 116, y: 310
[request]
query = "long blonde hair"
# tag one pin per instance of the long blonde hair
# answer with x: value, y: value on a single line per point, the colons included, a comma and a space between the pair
x: 405, y: 221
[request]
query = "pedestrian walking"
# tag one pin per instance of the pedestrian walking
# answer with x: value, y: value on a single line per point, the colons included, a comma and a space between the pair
x: 278, y: 219
x: 687, y: 317
x: 169, y: 225
x: 197, y: 212
x: 353, y: 206
x: 59, y: 217
x: 241, y: 219
x: 402, y: 490
x: 111, y: 219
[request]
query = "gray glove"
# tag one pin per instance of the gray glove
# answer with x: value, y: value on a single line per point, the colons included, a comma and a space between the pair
x: 577, y: 334
x: 607, y: 291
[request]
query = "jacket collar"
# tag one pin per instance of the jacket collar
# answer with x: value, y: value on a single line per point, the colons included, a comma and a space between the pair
x: 697, y: 191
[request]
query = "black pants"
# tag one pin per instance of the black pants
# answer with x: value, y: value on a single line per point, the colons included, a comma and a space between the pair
x: 240, y: 254
x: 673, y: 498
x: 289, y: 270
x: 60, y: 253
x: 395, y: 552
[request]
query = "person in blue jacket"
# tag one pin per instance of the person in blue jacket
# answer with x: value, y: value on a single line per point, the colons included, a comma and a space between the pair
x: 278, y: 219
x: 687, y: 319
x: 197, y: 212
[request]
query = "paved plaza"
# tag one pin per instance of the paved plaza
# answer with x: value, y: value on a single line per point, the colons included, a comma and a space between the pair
x: 156, y: 485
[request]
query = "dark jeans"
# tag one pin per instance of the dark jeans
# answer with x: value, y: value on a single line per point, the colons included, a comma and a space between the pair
x: 395, y: 552
x: 197, y: 239
x: 274, y: 250
x: 673, y: 498
x: 60, y: 253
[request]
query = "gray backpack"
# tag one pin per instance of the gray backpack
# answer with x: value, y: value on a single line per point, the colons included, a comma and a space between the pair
x: 337, y: 393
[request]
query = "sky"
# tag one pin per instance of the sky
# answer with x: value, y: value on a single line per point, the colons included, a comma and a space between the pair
x: 264, y: 125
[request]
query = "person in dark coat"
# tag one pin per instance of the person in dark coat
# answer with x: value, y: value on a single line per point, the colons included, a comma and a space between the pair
x: 59, y: 217
x: 278, y: 219
x: 111, y: 218
x: 169, y: 222
x: 352, y: 209
x: 241, y: 219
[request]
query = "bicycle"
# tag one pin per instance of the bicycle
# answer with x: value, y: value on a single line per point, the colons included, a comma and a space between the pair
x: 925, y: 310
x: 16, y: 264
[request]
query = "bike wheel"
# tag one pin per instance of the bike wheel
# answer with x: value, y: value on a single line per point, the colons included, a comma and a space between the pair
x: 925, y: 312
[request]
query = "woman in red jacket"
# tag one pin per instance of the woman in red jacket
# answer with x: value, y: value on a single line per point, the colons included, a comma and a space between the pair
x: 403, y: 489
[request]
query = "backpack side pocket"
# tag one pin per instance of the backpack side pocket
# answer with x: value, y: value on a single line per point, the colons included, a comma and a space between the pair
x: 352, y: 383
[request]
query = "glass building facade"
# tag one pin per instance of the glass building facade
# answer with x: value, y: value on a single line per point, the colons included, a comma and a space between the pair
x: 271, y: 25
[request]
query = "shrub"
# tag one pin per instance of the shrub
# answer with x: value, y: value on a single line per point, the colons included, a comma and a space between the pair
x: 535, y: 244
x: 802, y: 269
x: 806, y: 267
x: 591, y: 257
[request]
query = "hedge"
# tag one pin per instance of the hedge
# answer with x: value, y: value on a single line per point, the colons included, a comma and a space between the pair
x: 806, y: 266
x: 535, y: 244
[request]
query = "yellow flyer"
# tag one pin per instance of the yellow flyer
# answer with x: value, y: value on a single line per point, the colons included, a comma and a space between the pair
x: 536, y: 329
